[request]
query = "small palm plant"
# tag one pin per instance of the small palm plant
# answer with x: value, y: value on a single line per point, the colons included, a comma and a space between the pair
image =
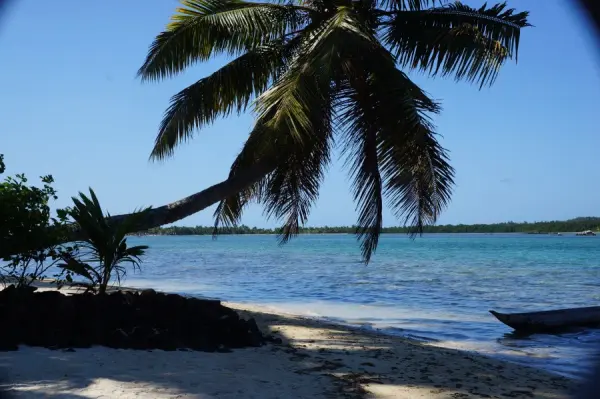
x: 104, y: 245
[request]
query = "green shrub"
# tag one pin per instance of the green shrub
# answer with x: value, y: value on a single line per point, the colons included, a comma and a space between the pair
x: 28, y: 229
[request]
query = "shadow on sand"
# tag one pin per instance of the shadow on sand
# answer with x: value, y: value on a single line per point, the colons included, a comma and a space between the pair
x: 315, y: 360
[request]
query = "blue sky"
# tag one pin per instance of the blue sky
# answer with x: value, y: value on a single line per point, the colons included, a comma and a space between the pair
x: 70, y: 105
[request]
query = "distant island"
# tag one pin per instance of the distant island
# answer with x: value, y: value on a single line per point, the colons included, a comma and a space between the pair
x: 557, y: 226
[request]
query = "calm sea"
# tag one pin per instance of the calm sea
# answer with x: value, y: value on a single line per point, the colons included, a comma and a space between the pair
x: 437, y: 287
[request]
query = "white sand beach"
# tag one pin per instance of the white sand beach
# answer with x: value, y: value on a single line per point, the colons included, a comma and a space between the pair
x: 315, y: 360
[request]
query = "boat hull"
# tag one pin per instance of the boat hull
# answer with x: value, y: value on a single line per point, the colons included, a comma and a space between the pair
x: 551, y: 320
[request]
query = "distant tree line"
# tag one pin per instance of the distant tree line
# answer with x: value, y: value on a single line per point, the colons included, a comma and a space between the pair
x: 572, y: 225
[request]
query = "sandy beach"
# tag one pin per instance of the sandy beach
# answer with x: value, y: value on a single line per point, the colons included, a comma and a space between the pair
x: 314, y: 360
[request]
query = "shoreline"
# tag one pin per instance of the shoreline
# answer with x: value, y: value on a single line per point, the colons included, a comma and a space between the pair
x: 550, y: 233
x: 455, y: 373
x: 538, y: 356
x: 409, y: 338
x: 316, y: 359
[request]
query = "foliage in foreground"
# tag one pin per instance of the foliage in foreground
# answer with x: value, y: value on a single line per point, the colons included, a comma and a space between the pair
x: 104, y: 253
x: 325, y: 71
x: 26, y: 228
x: 557, y: 226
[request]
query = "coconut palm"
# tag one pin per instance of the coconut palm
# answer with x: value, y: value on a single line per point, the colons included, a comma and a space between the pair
x: 322, y: 72
x: 319, y: 73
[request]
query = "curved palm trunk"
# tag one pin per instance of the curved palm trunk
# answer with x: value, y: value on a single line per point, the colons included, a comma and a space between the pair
x: 180, y: 209
x: 199, y: 201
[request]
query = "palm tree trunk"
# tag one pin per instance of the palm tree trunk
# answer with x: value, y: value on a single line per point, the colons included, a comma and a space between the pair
x: 180, y: 209
x: 106, y: 272
x: 199, y: 201
x: 102, y: 288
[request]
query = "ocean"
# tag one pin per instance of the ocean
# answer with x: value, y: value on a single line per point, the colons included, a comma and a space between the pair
x: 437, y: 288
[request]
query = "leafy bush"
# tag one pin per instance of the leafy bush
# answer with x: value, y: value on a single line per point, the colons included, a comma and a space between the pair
x: 105, y: 245
x: 28, y: 229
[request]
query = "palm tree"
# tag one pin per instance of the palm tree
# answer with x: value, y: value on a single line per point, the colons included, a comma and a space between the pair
x: 318, y: 73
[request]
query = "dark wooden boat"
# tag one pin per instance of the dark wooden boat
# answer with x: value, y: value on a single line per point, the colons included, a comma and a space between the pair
x: 551, y: 320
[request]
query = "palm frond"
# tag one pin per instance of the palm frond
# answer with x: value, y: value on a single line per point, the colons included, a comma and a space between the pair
x: 380, y: 103
x: 411, y: 5
x: 418, y: 178
x: 295, y: 133
x: 293, y: 187
x: 82, y: 269
x: 298, y: 166
x: 358, y: 122
x: 103, y: 243
x: 88, y: 213
x: 458, y: 40
x: 286, y: 106
x: 259, y: 148
x: 230, y: 89
x: 204, y: 28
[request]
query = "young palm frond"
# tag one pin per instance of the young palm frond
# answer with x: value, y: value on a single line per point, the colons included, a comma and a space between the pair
x: 321, y: 72
x: 104, y: 244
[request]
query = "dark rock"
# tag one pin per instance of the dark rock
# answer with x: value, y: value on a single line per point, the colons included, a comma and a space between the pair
x: 273, y: 339
x: 122, y: 319
x: 148, y: 293
x: 252, y: 326
x: 141, y: 337
x: 116, y: 339
x: 8, y: 346
x: 9, y: 340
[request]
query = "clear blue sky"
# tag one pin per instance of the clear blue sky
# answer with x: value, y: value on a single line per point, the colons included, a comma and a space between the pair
x: 525, y: 149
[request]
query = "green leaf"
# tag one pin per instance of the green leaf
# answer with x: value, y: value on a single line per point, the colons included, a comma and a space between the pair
x: 81, y: 269
x: 293, y: 132
x: 457, y: 40
x: 258, y: 148
x: 418, y: 179
x: 287, y: 106
x: 359, y: 121
x: 204, y: 28
x: 384, y: 117
x: 228, y: 90
x: 104, y: 244
x: 411, y: 5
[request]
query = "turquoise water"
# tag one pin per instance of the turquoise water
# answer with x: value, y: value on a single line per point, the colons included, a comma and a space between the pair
x: 437, y: 288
